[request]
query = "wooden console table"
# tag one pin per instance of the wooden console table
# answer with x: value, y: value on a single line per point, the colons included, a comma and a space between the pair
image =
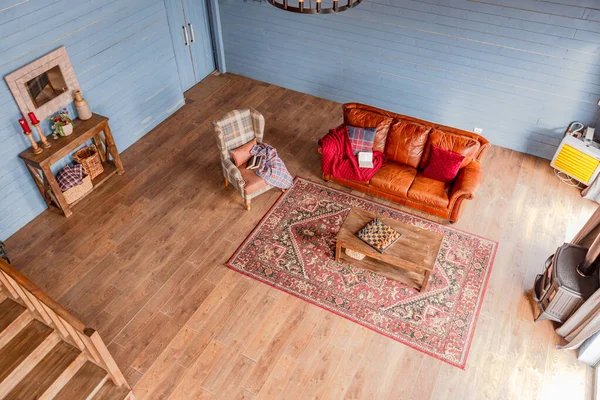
x: 95, y: 128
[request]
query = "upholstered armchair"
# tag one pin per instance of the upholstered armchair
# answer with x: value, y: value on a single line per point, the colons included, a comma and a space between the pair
x: 235, y: 129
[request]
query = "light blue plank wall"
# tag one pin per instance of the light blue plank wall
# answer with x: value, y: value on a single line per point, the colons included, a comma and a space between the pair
x: 520, y: 69
x: 123, y: 57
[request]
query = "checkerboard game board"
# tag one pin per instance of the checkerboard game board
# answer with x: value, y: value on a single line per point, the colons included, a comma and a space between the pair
x: 378, y: 235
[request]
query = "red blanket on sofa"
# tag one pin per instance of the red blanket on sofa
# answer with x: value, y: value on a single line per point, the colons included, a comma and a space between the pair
x: 339, y: 159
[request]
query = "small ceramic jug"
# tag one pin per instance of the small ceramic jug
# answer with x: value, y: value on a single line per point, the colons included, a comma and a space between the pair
x: 82, y: 107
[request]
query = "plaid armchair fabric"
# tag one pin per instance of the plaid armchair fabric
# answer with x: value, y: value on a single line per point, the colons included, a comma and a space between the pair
x: 234, y: 129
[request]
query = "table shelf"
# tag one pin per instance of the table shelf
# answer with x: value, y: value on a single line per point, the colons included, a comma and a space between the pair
x: 409, y: 278
x: 109, y: 170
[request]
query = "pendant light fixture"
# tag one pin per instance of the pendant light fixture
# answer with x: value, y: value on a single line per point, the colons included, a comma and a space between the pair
x: 314, y: 7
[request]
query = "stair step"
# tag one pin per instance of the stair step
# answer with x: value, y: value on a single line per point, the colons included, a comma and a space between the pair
x: 21, y: 346
x: 28, y: 364
x: 110, y: 391
x: 84, y: 384
x: 9, y: 311
x: 64, y: 377
x: 44, y: 374
x: 14, y: 328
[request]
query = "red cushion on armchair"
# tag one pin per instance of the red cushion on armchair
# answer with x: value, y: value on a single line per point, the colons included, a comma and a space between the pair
x: 443, y: 165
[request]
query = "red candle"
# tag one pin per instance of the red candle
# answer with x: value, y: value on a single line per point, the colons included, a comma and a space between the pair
x: 25, y: 126
x: 33, y: 118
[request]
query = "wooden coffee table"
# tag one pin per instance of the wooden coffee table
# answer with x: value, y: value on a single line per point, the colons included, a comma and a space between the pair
x: 410, y: 260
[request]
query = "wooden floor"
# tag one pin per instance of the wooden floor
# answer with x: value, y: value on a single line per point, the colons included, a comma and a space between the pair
x: 142, y: 260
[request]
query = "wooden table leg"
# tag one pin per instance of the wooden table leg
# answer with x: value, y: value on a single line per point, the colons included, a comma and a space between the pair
x: 99, y: 145
x: 62, y: 202
x: 50, y: 197
x: 425, y: 281
x: 38, y: 179
x: 112, y: 149
x: 338, y: 250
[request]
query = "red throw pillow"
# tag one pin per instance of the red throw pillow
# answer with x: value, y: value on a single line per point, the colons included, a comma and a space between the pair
x: 241, y: 154
x: 443, y: 165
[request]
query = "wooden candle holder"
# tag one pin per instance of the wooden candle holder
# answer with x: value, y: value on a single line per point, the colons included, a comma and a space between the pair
x: 45, y: 143
x: 34, y: 145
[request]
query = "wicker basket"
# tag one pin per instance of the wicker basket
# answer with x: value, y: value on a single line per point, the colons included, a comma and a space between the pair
x: 89, y: 159
x: 76, y: 192
x: 354, y: 254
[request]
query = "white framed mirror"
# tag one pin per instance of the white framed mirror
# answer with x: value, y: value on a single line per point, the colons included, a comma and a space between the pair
x: 45, y: 85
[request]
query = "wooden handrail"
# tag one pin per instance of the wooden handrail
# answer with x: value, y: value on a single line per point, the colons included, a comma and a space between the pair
x: 26, y: 284
x: 70, y: 328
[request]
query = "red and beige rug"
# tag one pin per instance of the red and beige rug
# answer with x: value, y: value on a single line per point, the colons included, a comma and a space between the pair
x: 293, y: 246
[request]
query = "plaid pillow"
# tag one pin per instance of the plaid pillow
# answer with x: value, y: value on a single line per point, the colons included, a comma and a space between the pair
x: 69, y: 176
x: 361, y: 139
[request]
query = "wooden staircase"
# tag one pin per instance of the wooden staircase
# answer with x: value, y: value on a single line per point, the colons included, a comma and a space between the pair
x: 47, y: 353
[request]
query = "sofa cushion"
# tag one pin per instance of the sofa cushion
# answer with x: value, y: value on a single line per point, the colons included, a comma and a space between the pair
x: 241, y: 155
x: 460, y: 144
x: 361, y: 139
x: 394, y: 178
x: 368, y: 119
x: 443, y: 165
x: 253, y: 181
x: 406, y: 142
x: 429, y: 191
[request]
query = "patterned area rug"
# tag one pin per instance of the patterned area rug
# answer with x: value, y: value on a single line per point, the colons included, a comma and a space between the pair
x: 293, y: 248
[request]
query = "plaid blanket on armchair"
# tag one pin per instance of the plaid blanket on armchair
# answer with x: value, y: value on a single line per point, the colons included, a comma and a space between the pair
x: 272, y: 170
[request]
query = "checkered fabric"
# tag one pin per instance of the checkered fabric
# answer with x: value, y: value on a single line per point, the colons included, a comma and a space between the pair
x: 237, y: 128
x: 361, y: 139
x: 233, y: 130
x: 272, y: 170
x: 233, y: 175
x: 69, y: 176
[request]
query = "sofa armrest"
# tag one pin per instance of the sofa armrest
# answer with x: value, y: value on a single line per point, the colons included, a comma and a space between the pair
x: 467, y: 182
x: 233, y: 173
x: 483, y: 150
x: 319, y: 148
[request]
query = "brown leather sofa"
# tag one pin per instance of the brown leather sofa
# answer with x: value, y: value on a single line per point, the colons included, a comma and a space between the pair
x: 406, y: 143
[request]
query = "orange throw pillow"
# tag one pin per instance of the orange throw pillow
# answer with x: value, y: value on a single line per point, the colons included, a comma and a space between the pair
x: 241, y: 154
